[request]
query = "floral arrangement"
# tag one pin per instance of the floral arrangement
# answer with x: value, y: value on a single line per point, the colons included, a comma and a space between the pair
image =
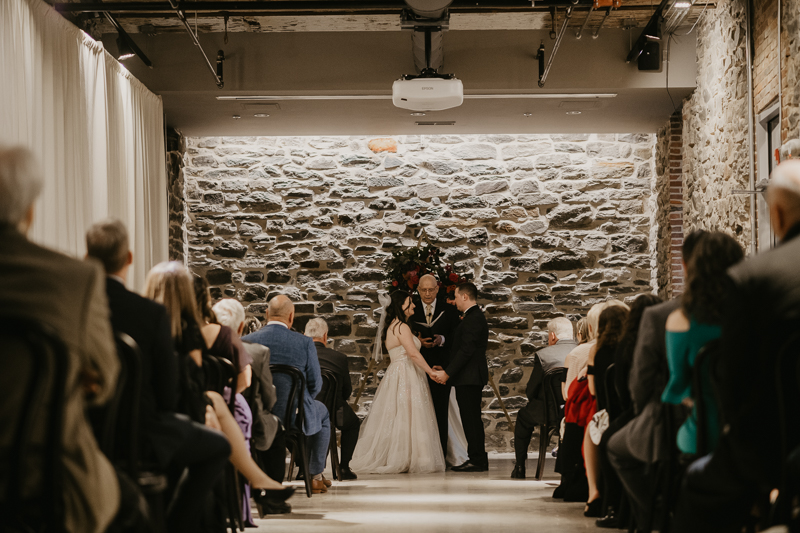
x: 406, y: 267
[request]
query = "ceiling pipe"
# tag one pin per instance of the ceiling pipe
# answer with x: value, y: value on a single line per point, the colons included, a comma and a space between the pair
x: 585, y: 22
x: 193, y: 35
x: 314, y: 7
x: 562, y: 31
x: 596, y: 32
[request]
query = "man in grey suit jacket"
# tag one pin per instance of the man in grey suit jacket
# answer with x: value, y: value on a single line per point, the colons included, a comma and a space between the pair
x: 294, y: 349
x: 642, y: 441
x: 70, y: 297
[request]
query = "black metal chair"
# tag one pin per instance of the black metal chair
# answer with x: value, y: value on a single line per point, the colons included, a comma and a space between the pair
x: 554, y: 412
x: 787, y: 385
x: 293, y: 421
x: 221, y: 373
x: 35, y: 367
x: 331, y: 391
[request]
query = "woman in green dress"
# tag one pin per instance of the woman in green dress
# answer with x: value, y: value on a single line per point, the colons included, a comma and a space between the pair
x: 695, y: 324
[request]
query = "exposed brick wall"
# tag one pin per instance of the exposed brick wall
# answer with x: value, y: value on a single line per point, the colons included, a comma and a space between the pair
x: 676, y: 203
x: 765, y: 54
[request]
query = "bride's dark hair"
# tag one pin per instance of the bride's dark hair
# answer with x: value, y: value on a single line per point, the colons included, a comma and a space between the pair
x: 394, y: 311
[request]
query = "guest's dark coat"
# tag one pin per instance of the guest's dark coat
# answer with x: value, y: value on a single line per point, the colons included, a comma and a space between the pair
x: 535, y: 390
x: 147, y: 323
x: 761, y: 315
x: 445, y: 321
x: 336, y: 362
x: 468, y: 365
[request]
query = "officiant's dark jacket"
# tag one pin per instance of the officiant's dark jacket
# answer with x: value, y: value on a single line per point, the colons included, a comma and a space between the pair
x: 546, y: 359
x: 468, y: 364
x: 445, y: 326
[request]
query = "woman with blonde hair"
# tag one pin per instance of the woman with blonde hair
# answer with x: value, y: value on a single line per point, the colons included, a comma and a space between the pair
x: 170, y: 284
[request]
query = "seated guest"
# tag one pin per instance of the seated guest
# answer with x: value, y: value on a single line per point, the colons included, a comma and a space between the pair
x: 582, y: 331
x: 170, y: 284
x: 622, y: 368
x: 720, y: 489
x: 695, y: 324
x: 559, y: 344
x: 291, y: 348
x: 67, y: 296
x: 610, y: 325
x: 345, y: 418
x: 639, y: 444
x: 176, y: 441
x: 578, y: 358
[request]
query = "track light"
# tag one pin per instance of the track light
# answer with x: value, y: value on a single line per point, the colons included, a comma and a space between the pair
x: 124, y: 50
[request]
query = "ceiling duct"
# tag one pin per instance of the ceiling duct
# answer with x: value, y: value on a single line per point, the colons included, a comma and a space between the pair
x: 428, y: 19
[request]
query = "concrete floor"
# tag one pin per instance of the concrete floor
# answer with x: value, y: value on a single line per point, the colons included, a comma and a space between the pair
x: 423, y: 503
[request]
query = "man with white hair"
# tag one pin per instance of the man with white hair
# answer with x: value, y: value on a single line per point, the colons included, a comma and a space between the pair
x: 750, y: 459
x: 69, y: 297
x: 345, y: 418
x: 560, y: 342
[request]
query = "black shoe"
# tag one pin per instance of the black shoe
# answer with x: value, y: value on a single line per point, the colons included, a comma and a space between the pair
x: 347, y: 474
x: 518, y: 472
x: 273, y: 507
x: 594, y: 509
x: 300, y: 476
x: 558, y: 494
x: 610, y: 521
x: 469, y: 466
x: 267, y: 497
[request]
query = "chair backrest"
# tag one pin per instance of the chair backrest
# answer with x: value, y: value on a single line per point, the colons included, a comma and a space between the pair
x: 35, y: 368
x: 612, y: 398
x: 219, y: 372
x: 295, y: 411
x: 331, y: 390
x: 703, y: 360
x: 128, y: 435
x: 553, y: 397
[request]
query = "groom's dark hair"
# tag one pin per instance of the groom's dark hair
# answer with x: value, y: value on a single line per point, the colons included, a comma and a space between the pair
x: 469, y: 289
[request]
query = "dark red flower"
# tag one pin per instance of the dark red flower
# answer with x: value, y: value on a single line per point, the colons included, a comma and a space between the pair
x: 395, y: 284
x: 453, y: 277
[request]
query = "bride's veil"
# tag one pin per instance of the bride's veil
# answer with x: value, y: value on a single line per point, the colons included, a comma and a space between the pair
x: 377, y: 352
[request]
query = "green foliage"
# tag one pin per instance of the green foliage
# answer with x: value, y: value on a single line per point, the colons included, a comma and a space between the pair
x: 406, y: 267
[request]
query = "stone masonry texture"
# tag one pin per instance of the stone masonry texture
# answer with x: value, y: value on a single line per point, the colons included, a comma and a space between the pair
x: 715, y: 128
x: 546, y: 225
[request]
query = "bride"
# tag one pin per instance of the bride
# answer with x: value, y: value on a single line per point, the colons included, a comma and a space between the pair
x: 400, y: 433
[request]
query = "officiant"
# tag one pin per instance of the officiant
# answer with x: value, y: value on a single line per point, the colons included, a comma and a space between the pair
x: 434, y: 321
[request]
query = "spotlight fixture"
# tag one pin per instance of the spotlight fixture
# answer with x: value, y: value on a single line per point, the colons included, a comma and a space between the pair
x: 236, y: 117
x: 124, y: 50
x: 261, y: 115
x: 527, y: 114
x: 682, y: 5
x: 573, y: 112
x: 418, y: 114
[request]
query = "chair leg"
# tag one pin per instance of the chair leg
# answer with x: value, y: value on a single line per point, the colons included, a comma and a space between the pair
x: 303, y: 463
x: 292, y: 449
x: 544, y: 437
x: 335, y: 465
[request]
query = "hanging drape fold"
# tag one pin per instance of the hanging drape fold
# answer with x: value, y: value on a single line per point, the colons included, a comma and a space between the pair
x: 97, y: 132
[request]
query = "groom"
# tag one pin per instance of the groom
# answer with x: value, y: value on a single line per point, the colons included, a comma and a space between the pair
x: 435, y: 320
x: 468, y: 372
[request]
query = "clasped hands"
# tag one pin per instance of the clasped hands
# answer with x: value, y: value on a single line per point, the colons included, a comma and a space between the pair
x: 439, y: 375
x: 428, y: 342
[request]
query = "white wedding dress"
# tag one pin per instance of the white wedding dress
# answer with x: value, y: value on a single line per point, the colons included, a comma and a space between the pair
x: 400, y: 433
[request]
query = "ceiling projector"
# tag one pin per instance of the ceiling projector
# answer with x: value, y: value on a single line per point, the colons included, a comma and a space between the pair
x: 431, y: 92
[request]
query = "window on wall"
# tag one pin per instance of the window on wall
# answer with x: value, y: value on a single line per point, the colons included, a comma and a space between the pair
x: 768, y: 141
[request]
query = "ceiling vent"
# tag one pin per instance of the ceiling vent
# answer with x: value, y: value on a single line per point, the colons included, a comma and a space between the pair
x: 436, y: 123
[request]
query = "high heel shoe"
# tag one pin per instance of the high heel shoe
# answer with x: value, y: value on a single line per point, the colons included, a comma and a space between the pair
x: 270, y: 497
x: 594, y: 508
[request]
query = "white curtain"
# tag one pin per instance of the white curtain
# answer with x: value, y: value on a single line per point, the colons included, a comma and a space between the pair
x: 97, y: 131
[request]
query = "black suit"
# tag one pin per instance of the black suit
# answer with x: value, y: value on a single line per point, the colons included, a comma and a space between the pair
x: 469, y: 373
x: 345, y: 418
x: 444, y: 322
x: 175, y: 440
x: 759, y: 317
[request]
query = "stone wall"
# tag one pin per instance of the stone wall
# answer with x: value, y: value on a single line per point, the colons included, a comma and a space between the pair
x: 176, y: 201
x: 660, y: 231
x: 790, y: 66
x: 547, y: 225
x: 765, y: 54
x: 715, y: 128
